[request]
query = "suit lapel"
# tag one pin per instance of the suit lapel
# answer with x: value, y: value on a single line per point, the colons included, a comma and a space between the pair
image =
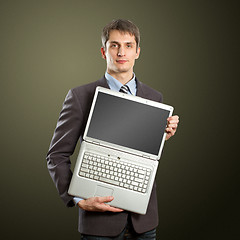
x: 140, y: 91
x: 102, y: 82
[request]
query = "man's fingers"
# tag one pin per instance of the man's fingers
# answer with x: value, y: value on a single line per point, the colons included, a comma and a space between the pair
x: 113, y: 209
x: 105, y: 207
x: 98, y: 204
x: 102, y: 206
x: 173, y: 119
x: 172, y: 125
x: 170, y: 130
x: 104, y: 199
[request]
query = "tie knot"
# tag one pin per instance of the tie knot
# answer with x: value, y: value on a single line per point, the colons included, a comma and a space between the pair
x: 124, y: 89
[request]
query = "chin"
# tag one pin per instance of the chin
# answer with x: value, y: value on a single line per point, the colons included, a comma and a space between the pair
x: 123, y: 69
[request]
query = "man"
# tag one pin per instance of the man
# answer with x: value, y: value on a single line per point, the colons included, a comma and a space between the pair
x: 97, y: 219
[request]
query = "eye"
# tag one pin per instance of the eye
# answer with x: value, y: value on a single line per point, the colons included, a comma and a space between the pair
x: 114, y: 45
x: 129, y: 45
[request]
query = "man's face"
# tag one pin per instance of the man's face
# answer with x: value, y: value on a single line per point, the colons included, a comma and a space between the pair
x: 121, y: 52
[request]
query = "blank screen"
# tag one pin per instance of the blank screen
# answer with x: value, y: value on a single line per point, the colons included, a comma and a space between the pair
x: 128, y: 123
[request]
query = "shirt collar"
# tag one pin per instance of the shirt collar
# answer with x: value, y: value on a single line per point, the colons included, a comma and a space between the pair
x: 115, y: 85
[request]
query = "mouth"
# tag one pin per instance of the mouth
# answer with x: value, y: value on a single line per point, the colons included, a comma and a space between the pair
x: 121, y: 61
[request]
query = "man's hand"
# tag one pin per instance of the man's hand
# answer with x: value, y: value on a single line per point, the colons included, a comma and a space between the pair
x: 171, y: 126
x: 98, y: 204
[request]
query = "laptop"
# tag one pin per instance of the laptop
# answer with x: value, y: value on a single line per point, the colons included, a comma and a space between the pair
x: 121, y: 148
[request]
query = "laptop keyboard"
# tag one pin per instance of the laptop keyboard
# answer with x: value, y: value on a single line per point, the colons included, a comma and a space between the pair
x: 115, y: 172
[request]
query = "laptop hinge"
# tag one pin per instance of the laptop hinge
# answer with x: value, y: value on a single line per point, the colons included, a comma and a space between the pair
x: 149, y: 157
x: 140, y: 155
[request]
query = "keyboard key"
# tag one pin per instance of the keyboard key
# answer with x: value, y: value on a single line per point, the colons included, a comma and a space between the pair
x: 141, y: 176
x: 135, y: 184
x: 85, y: 170
x: 140, y: 171
x: 138, y: 180
x: 106, y: 180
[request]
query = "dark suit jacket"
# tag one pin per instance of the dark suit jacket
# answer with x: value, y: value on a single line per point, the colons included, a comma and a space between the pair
x: 69, y: 129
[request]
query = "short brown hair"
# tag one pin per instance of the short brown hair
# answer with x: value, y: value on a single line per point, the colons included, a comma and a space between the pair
x: 121, y: 25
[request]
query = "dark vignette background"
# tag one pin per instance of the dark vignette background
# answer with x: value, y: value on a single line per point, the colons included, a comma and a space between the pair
x: 190, y: 52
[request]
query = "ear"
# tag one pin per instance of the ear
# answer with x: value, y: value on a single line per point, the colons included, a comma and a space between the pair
x: 103, y: 53
x: 138, y: 53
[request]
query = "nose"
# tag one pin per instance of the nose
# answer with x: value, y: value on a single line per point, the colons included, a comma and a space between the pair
x: 121, y: 52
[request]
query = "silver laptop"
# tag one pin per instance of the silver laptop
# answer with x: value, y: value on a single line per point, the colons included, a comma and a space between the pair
x: 121, y: 147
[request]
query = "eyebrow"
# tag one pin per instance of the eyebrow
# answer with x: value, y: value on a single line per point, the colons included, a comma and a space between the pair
x: 124, y: 42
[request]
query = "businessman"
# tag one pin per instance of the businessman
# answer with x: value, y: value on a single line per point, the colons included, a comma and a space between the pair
x: 97, y: 219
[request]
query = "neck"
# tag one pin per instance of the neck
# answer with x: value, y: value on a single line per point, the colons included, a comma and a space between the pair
x: 123, y: 77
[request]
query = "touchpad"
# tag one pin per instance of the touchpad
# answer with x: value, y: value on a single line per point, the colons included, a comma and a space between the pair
x: 102, y: 191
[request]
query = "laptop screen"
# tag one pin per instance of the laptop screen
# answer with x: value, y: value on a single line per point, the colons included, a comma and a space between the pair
x: 128, y: 123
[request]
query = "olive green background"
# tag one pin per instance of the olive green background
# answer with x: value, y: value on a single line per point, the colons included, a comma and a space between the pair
x: 189, y: 52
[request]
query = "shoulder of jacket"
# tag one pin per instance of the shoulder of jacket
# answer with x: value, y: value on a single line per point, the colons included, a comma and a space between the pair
x: 86, y: 87
x: 149, y: 89
x: 151, y: 92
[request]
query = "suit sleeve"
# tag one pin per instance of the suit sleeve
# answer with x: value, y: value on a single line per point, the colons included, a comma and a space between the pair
x: 65, y: 137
